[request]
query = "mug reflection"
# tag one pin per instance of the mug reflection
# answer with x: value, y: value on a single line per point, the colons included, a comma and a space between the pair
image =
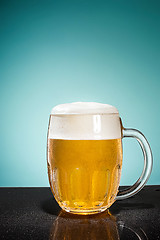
x: 128, y: 232
x: 70, y: 227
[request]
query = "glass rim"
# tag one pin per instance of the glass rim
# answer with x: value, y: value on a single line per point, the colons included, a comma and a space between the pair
x: 80, y: 114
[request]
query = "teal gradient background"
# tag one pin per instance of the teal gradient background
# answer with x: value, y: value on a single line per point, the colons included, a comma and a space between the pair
x: 53, y: 52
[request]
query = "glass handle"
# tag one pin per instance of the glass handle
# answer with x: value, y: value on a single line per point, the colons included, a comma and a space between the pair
x: 148, y: 162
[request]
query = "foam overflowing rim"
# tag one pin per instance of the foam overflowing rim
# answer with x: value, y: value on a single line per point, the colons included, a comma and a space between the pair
x: 84, y: 108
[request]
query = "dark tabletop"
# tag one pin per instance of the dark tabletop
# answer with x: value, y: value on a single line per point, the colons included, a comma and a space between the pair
x: 32, y: 213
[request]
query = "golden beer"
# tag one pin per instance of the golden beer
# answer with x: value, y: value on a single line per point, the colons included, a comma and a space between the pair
x: 84, y: 175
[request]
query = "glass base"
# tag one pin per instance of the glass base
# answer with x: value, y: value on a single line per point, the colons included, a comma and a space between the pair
x: 84, y: 211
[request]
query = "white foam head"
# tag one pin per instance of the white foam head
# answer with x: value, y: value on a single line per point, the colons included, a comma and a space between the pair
x: 83, y: 108
x: 84, y: 121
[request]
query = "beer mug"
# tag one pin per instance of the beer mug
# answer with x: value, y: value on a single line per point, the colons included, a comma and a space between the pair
x: 85, y: 157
